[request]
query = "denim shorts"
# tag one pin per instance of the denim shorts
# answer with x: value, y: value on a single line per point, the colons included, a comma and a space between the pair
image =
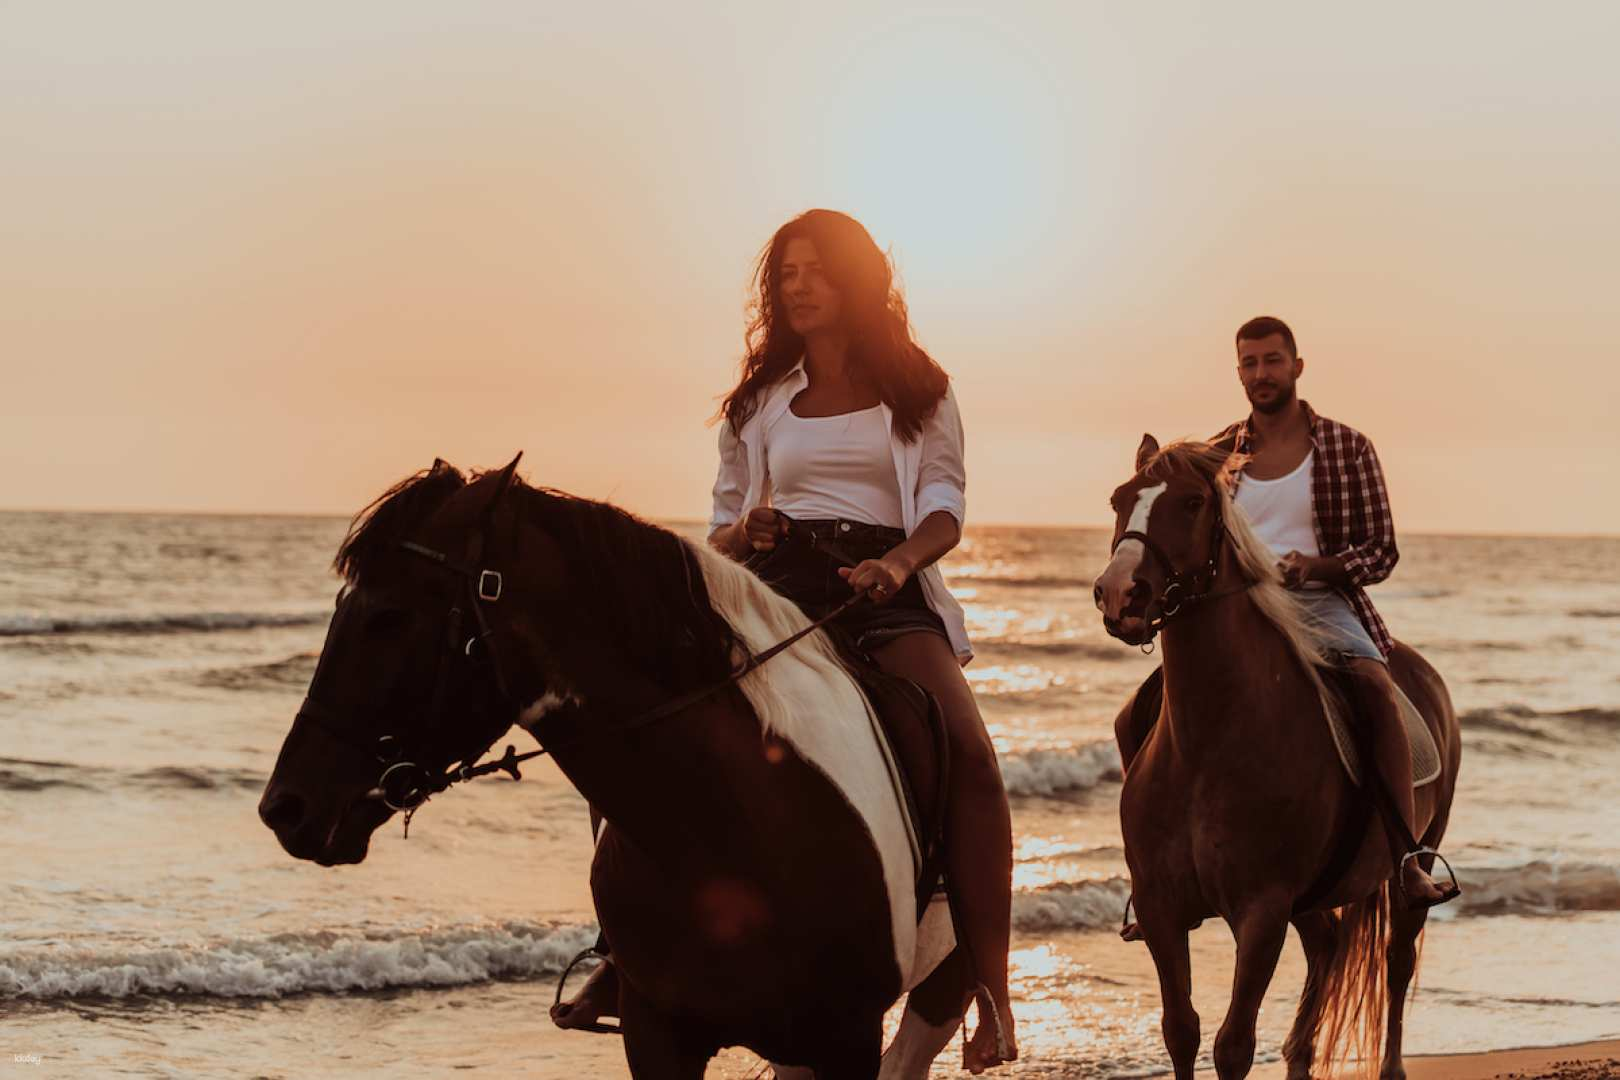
x: 1330, y: 613
x: 808, y: 576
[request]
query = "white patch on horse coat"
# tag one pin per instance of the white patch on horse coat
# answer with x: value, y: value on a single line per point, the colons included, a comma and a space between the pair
x: 1121, y: 570
x: 807, y: 698
x: 550, y: 701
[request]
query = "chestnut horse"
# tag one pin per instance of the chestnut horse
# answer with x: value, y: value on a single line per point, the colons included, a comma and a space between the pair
x: 1236, y: 804
x: 754, y: 875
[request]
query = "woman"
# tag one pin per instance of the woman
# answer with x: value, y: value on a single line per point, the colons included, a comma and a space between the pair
x: 844, y: 428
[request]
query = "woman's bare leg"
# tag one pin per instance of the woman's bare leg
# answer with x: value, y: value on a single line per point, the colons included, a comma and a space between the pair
x: 978, y: 833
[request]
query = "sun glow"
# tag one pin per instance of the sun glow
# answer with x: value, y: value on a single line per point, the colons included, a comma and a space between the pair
x: 951, y: 129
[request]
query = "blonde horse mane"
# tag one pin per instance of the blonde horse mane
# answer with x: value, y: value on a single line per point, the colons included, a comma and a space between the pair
x: 1255, y: 560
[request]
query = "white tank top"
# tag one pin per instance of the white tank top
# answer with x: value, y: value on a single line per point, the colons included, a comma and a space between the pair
x: 1281, y: 512
x: 834, y: 467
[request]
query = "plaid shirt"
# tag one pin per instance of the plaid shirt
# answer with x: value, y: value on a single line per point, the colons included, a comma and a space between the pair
x: 1351, y: 510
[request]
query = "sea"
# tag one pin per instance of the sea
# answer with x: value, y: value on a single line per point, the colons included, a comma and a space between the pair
x: 150, y: 925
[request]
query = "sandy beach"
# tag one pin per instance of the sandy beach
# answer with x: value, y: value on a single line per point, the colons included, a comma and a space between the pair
x: 1583, y: 1061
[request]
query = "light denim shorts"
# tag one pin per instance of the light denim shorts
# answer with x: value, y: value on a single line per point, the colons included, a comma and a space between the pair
x: 1332, y: 614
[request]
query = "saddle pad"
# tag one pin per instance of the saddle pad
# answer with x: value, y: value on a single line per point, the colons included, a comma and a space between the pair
x: 911, y: 736
x: 1425, y: 754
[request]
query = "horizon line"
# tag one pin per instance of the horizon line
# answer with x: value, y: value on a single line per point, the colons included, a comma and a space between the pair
x: 121, y: 512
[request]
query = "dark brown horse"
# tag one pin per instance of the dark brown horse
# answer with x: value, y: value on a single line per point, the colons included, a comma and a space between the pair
x: 754, y: 876
x: 1236, y: 804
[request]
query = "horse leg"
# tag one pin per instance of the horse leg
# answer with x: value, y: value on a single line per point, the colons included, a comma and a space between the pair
x: 1260, y: 934
x: 1317, y: 933
x: 1405, y: 926
x: 1168, y: 944
x: 1126, y: 737
x: 655, y: 1046
x: 853, y: 1051
x: 934, y: 1011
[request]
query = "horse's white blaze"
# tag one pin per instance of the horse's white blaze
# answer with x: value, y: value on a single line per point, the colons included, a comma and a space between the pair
x: 807, y: 698
x: 1121, y: 571
x: 550, y: 701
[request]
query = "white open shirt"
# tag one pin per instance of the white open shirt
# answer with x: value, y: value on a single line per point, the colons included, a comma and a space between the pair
x: 930, y: 469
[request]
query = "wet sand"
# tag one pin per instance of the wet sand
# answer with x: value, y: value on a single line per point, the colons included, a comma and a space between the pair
x: 1583, y: 1061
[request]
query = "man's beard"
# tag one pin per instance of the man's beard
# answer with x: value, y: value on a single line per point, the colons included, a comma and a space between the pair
x: 1284, y: 398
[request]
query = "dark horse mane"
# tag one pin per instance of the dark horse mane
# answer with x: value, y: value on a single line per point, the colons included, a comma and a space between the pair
x: 393, y: 516
x: 630, y: 583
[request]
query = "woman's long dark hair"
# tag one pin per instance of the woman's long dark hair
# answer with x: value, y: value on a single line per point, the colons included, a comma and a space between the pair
x: 881, y: 348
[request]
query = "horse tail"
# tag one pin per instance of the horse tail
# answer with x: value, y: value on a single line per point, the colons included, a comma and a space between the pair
x: 1349, y: 1021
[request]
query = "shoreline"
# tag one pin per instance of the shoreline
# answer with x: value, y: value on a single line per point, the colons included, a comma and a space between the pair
x: 1597, y: 1060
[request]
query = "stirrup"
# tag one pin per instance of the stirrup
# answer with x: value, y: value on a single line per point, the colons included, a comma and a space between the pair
x: 596, y: 1026
x: 1447, y: 892
x: 1127, y: 927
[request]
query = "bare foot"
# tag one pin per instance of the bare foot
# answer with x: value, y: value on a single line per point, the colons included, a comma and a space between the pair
x: 994, y: 1043
x: 1419, y: 887
x: 598, y: 997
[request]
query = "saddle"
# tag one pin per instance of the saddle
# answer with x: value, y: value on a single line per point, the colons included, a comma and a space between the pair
x: 910, y: 731
x: 1344, y: 728
x: 1352, y: 739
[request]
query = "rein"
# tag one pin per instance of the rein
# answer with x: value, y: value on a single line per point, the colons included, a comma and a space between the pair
x: 405, y: 785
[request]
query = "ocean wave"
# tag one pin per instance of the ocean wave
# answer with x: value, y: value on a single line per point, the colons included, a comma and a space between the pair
x: 33, y: 778
x: 1082, y: 905
x: 1539, y: 888
x: 1452, y: 645
x: 1512, y: 720
x: 1058, y: 772
x: 29, y: 775
x: 1526, y: 722
x: 1024, y: 581
x: 291, y: 673
x: 323, y: 962
x: 199, y: 778
x: 156, y: 623
x: 1112, y: 651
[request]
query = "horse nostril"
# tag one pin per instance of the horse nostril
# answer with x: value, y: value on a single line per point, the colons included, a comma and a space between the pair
x: 1096, y: 592
x: 283, y: 811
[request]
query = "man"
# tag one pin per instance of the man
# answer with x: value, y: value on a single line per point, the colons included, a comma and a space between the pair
x: 1313, y: 490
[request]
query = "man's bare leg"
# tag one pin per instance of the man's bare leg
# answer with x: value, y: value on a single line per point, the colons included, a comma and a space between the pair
x: 1393, y: 755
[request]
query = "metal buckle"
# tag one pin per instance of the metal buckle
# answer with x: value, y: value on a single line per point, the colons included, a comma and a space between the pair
x: 489, y: 585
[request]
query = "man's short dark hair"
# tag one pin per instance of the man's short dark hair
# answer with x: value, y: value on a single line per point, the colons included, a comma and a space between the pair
x: 1263, y: 327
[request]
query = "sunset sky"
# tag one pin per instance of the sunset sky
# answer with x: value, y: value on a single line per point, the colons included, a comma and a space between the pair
x: 274, y: 257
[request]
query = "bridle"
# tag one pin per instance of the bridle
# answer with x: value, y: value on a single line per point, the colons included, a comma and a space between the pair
x: 1183, y: 589
x: 404, y: 784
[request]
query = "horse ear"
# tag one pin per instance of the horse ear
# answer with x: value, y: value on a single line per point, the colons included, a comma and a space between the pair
x: 504, y: 481
x: 1145, y: 452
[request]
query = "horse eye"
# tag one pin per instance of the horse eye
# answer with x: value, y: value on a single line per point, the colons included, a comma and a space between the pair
x: 1195, y: 502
